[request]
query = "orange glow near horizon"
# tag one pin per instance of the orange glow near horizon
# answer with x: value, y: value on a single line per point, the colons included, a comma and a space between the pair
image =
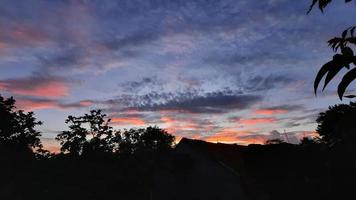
x: 128, y: 120
x: 231, y: 136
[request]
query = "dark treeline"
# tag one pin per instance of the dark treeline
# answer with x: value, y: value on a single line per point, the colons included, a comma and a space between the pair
x: 98, y: 162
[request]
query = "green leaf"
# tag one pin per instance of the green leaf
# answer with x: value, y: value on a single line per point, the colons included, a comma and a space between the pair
x: 345, y: 82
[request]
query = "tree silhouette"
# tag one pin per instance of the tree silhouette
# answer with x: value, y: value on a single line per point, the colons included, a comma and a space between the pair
x: 337, y: 125
x: 149, y: 140
x: 322, y: 4
x: 97, y: 138
x: 17, y: 128
x: 347, y: 58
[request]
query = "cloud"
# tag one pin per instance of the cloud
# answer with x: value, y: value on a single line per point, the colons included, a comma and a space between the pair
x: 128, y: 121
x: 256, y: 121
x: 216, y: 102
x: 144, y: 83
x: 229, y: 135
x: 39, y: 86
x: 21, y: 35
x: 131, y: 40
x: 31, y: 104
x: 293, y: 137
x: 262, y: 83
x: 282, y: 109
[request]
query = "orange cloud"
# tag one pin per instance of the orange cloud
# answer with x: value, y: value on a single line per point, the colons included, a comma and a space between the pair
x: 254, y: 121
x: 234, y: 136
x: 270, y: 111
x: 128, y: 120
x: 175, y: 126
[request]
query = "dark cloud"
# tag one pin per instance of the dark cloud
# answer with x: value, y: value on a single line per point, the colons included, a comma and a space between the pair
x: 64, y: 58
x: 285, y: 107
x: 210, y: 103
x: 132, y: 40
x: 144, y: 83
x: 193, y: 101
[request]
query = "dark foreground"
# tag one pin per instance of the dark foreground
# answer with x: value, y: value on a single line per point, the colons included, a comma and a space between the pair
x: 193, y: 170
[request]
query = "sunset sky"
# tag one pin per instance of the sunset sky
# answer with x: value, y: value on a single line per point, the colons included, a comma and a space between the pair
x: 218, y: 70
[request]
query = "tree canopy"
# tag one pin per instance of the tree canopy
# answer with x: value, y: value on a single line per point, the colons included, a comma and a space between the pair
x: 92, y: 134
x: 87, y: 134
x: 151, y: 140
x: 337, y: 125
x: 17, y: 128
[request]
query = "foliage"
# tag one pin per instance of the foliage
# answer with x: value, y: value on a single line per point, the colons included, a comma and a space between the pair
x: 322, y: 4
x: 17, y: 128
x: 82, y: 140
x: 151, y: 139
x: 91, y: 134
x: 346, y: 59
x: 337, y: 125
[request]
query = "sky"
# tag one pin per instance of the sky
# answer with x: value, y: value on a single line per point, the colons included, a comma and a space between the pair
x: 233, y: 71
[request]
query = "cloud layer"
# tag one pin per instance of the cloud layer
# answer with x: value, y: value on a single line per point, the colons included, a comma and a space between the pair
x: 234, y: 70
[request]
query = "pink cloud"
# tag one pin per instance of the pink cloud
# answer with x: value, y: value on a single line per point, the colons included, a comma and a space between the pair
x: 29, y: 104
x: 254, y: 121
x: 270, y: 111
x: 36, y: 86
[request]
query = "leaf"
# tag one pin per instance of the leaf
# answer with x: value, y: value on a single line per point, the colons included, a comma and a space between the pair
x: 312, y: 5
x: 323, y: 70
x: 344, y: 33
x: 350, y: 96
x: 331, y: 74
x: 345, y: 82
x: 347, y: 51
